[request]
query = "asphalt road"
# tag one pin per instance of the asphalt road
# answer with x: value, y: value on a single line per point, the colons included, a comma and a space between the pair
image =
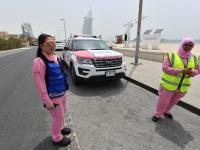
x: 107, y: 116
x: 24, y: 122
x: 117, y: 116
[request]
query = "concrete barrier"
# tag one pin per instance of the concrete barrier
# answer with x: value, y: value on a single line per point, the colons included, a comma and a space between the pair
x: 152, y: 55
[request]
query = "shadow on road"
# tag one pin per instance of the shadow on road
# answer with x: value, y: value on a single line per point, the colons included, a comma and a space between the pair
x: 46, y: 144
x: 174, y: 132
x: 89, y: 89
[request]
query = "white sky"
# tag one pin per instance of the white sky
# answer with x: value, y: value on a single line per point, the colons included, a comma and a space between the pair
x: 179, y: 18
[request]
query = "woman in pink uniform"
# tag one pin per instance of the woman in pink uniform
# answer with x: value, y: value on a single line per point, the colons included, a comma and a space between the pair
x: 51, y: 82
x: 176, y: 66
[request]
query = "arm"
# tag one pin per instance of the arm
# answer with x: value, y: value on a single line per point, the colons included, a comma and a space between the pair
x: 196, y: 71
x: 168, y: 69
x: 39, y: 76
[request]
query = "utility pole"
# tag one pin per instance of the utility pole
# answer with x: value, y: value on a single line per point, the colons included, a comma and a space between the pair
x: 64, y: 28
x: 138, y: 32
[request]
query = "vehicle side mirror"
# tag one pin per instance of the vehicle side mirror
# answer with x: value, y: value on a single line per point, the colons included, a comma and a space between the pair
x: 66, y: 48
x: 110, y: 47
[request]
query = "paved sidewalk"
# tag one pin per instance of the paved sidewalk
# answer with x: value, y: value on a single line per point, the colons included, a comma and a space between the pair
x: 149, y: 73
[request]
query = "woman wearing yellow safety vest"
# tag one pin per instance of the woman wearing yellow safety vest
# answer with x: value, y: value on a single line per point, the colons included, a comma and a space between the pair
x: 178, y: 68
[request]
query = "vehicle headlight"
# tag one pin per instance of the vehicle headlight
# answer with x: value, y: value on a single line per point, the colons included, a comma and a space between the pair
x: 84, y: 61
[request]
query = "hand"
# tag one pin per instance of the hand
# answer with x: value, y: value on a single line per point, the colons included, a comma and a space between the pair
x: 191, y: 72
x: 50, y: 105
x: 192, y: 75
x: 187, y: 71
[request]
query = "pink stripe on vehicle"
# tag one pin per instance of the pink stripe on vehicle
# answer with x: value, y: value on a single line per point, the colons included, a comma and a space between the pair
x: 84, y: 54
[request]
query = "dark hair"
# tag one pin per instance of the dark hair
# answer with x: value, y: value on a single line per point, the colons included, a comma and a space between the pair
x: 41, y: 39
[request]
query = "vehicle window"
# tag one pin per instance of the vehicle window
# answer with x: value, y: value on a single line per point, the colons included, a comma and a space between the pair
x: 90, y: 44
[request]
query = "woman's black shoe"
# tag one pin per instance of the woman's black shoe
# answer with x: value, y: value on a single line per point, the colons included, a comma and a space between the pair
x: 66, y: 131
x: 155, y: 119
x: 169, y: 116
x: 64, y: 142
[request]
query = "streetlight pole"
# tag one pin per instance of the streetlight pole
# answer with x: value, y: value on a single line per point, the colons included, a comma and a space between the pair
x: 58, y: 35
x: 64, y: 28
x: 138, y: 32
x: 65, y: 36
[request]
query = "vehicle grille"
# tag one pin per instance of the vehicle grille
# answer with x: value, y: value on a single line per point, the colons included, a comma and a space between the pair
x: 103, y: 63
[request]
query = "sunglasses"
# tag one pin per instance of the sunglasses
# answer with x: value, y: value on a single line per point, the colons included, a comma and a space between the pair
x: 188, y: 45
x: 49, y: 44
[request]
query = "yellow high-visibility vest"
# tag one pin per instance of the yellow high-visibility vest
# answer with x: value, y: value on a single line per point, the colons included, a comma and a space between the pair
x: 181, y: 81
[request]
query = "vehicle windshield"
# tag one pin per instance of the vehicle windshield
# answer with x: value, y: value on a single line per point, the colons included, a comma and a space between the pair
x: 90, y: 44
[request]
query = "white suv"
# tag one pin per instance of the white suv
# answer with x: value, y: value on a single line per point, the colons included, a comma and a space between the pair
x: 89, y: 58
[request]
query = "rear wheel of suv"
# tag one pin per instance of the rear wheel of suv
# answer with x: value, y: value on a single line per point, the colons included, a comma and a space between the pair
x: 74, y: 78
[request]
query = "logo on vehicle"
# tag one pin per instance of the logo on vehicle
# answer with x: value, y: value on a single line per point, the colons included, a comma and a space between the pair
x: 108, y: 62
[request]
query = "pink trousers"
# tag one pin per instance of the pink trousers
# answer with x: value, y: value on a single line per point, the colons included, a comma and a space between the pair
x: 58, y: 119
x: 167, y: 100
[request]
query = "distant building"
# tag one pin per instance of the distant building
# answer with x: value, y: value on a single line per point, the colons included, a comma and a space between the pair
x: 4, y: 35
x: 150, y: 38
x: 17, y: 36
x: 87, y: 24
x: 119, y: 39
x: 27, y: 30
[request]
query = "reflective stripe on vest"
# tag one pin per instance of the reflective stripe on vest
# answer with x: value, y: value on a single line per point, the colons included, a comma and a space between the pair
x: 55, y: 95
x: 196, y: 60
x: 182, y: 81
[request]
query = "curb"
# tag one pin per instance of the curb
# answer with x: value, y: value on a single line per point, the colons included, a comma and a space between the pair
x: 11, y: 50
x: 182, y: 104
x: 73, y: 136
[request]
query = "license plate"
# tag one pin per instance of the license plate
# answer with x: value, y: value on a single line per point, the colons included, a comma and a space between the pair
x: 110, y: 73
